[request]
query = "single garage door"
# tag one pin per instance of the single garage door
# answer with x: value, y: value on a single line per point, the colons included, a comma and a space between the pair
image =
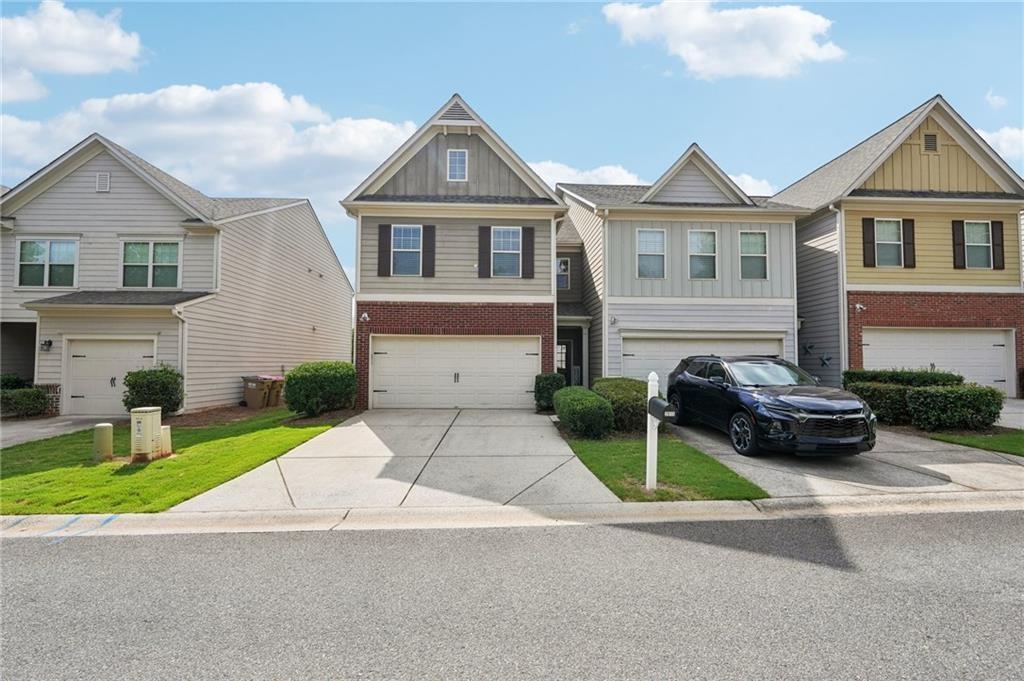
x: 454, y: 371
x: 982, y: 356
x: 96, y: 373
x: 640, y: 356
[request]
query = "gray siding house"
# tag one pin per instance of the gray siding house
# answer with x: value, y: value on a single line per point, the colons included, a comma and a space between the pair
x: 108, y: 264
x: 688, y: 265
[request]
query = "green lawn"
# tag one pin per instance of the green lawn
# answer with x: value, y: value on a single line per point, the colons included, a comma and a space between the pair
x: 58, y: 475
x: 684, y: 473
x: 1010, y: 442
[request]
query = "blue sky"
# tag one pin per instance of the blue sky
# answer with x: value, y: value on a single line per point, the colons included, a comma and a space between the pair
x: 306, y: 99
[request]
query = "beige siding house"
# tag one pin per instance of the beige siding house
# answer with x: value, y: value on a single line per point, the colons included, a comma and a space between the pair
x: 109, y: 264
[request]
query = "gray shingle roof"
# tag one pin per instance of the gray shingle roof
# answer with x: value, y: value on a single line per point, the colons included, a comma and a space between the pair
x: 627, y: 194
x: 572, y: 310
x: 156, y: 298
x: 427, y: 198
x: 567, y: 233
x: 900, y: 194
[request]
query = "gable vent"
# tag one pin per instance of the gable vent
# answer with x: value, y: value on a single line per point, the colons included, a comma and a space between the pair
x: 931, y: 141
x: 103, y: 182
x: 456, y: 112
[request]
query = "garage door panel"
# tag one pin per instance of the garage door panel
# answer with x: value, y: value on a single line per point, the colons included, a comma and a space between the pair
x: 92, y: 363
x: 640, y: 356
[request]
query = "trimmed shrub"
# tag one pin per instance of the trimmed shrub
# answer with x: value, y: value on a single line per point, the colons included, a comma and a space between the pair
x: 544, y: 388
x: 160, y: 386
x: 12, y: 382
x: 628, y: 397
x: 912, y: 377
x: 584, y: 413
x: 887, y: 400
x: 316, y: 387
x: 955, y: 407
x: 22, y: 402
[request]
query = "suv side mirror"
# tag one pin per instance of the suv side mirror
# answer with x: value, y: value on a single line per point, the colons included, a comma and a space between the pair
x: 717, y: 381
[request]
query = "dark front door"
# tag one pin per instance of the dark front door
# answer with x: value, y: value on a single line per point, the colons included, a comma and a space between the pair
x: 563, y: 359
x: 569, y: 354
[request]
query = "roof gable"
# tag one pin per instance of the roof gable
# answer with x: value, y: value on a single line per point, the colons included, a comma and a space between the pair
x: 695, y: 178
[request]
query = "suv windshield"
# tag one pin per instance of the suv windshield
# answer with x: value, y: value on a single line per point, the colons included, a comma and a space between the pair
x: 765, y: 373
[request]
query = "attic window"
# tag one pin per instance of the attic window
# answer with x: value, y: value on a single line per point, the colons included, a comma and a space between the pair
x: 103, y: 182
x: 931, y: 142
x: 458, y: 165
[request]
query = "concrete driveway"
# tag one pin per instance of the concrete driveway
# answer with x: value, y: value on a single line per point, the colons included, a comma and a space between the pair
x: 1012, y: 415
x: 417, y: 458
x: 898, y: 464
x: 16, y: 432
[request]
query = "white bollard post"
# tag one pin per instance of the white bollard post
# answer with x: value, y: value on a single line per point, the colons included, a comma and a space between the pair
x: 652, y: 435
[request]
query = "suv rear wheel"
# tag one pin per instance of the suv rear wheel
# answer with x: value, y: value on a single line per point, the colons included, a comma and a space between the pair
x: 743, y: 434
x: 677, y: 403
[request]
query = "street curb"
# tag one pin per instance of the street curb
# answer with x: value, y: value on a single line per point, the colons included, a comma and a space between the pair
x: 58, y: 528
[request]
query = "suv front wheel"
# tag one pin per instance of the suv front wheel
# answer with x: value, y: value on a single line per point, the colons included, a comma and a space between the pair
x: 743, y: 434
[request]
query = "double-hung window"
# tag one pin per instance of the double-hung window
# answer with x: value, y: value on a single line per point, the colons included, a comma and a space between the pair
x: 978, y: 244
x: 650, y: 254
x: 406, y: 250
x: 562, y: 274
x: 150, y: 264
x: 753, y: 255
x: 703, y: 254
x: 506, y: 251
x: 888, y: 242
x: 47, y: 262
x: 458, y: 165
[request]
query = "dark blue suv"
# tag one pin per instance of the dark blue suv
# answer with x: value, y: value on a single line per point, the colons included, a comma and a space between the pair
x: 765, y: 403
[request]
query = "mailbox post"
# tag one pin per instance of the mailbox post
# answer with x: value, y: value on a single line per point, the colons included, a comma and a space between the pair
x: 657, y: 410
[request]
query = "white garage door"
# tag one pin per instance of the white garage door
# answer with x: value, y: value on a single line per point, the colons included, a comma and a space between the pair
x: 96, y: 372
x: 454, y: 371
x: 982, y: 356
x: 640, y: 356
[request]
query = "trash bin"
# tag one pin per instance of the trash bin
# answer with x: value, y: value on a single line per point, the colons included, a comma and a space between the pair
x: 276, y: 386
x: 256, y: 390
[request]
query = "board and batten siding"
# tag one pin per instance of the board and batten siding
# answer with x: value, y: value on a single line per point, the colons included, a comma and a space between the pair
x: 426, y: 173
x: 455, y: 261
x: 691, y: 185
x: 705, y: 319
x: 283, y: 300
x: 818, y: 298
x: 100, y: 220
x: 591, y: 231
x: 622, y: 275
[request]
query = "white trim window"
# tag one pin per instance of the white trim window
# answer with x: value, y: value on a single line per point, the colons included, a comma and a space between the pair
x: 458, y: 165
x: 48, y: 263
x: 650, y: 254
x: 703, y: 253
x: 753, y: 255
x: 978, y: 244
x: 562, y: 274
x: 406, y: 250
x: 888, y: 242
x: 506, y: 251
x: 150, y: 264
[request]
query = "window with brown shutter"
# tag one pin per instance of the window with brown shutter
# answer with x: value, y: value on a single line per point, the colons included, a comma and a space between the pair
x: 959, y: 250
x: 383, y: 250
x: 429, y: 249
x: 483, y: 258
x: 909, y: 253
x: 868, y: 229
x: 528, y: 253
x: 998, y: 257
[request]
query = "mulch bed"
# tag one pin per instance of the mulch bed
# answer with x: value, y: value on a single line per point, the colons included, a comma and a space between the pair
x: 223, y: 415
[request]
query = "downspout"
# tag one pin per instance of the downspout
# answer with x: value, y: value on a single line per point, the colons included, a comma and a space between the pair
x: 604, y: 301
x: 843, y: 321
x: 178, y: 312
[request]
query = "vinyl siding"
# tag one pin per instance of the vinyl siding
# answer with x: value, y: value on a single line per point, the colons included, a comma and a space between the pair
x: 426, y: 173
x: 701, y: 318
x: 283, y: 300
x: 72, y: 207
x: 691, y: 185
x: 818, y: 298
x: 591, y: 230
x: 456, y: 254
x: 933, y: 235
x: 573, y: 294
x: 622, y: 279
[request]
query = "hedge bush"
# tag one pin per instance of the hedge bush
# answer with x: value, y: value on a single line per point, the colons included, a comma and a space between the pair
x: 544, y: 388
x: 160, y: 386
x: 316, y: 387
x: 12, y: 382
x: 22, y: 402
x: 584, y: 413
x: 955, y: 407
x: 887, y: 400
x: 628, y: 397
x: 911, y: 377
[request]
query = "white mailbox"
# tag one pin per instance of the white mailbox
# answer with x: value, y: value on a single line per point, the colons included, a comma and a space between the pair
x: 145, y: 431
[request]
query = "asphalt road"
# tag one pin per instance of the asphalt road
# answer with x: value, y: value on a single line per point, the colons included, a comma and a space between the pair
x: 913, y: 597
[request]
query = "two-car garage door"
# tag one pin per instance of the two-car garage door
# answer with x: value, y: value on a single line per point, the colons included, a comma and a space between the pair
x: 453, y: 371
x: 640, y: 356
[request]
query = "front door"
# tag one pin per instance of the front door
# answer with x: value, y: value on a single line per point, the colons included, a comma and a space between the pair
x: 563, y: 360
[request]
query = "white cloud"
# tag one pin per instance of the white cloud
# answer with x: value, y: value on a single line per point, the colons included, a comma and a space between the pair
x: 752, y: 185
x: 554, y: 172
x: 1009, y: 142
x: 769, y: 42
x: 55, y: 39
x: 995, y: 101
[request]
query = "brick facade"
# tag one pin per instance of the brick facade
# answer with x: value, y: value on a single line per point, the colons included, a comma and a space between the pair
x: 52, y: 391
x: 943, y: 310
x: 450, y: 319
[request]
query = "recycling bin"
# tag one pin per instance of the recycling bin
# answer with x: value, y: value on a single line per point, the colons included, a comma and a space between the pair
x: 255, y: 391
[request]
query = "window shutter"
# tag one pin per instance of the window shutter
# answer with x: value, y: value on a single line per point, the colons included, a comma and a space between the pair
x: 483, y: 265
x: 868, y: 228
x: 428, y: 251
x: 959, y: 249
x: 527, y: 247
x: 998, y: 258
x: 909, y: 254
x: 383, y: 250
